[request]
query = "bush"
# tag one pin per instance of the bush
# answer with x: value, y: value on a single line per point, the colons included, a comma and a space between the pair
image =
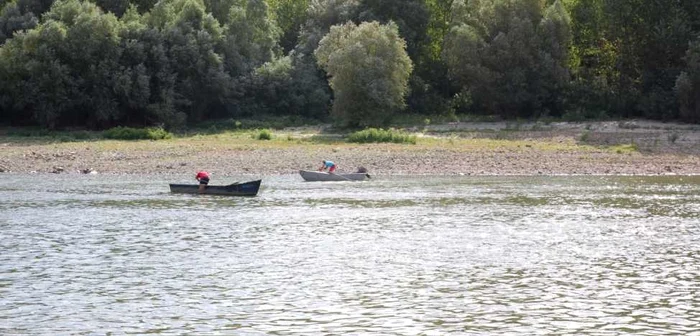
x: 673, y: 137
x: 381, y: 135
x: 128, y: 133
x: 264, y: 134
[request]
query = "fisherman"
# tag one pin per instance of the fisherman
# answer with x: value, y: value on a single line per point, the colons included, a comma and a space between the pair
x: 328, y: 165
x: 203, y: 178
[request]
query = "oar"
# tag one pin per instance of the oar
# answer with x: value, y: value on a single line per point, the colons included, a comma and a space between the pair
x: 346, y: 179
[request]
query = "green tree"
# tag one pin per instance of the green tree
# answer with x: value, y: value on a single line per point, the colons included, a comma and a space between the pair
x: 12, y: 20
x: 688, y: 84
x: 191, y: 37
x: 250, y: 37
x: 290, y: 16
x: 369, y: 70
x: 652, y: 37
x: 61, y: 72
x: 411, y: 16
x: 281, y: 88
x: 146, y: 84
x: 510, y: 57
x: 428, y: 84
x: 322, y: 15
x: 20, y: 15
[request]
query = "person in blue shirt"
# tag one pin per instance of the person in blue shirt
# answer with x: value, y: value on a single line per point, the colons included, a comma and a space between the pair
x: 328, y: 165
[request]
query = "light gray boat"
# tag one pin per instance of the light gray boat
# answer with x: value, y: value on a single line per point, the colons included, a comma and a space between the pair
x: 309, y: 175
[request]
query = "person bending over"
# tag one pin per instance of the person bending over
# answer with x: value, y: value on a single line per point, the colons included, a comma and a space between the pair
x: 328, y: 165
x: 203, y: 178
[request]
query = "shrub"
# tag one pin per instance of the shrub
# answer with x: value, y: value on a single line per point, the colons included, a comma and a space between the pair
x: 264, y: 134
x: 673, y: 137
x: 585, y: 136
x: 381, y: 135
x: 128, y: 133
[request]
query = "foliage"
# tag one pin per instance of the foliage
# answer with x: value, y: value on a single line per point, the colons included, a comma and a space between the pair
x: 13, y: 19
x: 510, y: 56
x: 422, y: 24
x: 688, y: 85
x: 96, y: 64
x: 627, y: 54
x: 284, y: 88
x: 249, y: 37
x: 128, y: 133
x: 290, y: 15
x: 257, y: 122
x: 369, y: 70
x: 370, y: 135
x: 263, y: 134
x: 410, y: 16
x: 322, y: 15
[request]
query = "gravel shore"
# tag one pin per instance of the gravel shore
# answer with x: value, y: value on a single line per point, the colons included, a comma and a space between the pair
x: 630, y: 148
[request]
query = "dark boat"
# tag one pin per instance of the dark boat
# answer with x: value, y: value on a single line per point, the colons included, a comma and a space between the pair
x: 236, y: 189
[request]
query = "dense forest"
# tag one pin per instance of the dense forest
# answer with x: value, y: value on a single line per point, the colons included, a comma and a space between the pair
x: 104, y: 63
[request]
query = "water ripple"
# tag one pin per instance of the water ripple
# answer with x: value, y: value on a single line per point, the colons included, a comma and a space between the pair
x: 398, y: 256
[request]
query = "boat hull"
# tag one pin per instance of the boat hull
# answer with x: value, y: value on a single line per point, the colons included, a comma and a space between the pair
x: 309, y: 175
x: 237, y: 189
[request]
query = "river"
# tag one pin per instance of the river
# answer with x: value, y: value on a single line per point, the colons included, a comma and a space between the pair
x: 399, y: 255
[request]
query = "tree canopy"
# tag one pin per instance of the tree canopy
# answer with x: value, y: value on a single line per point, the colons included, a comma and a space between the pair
x: 369, y: 68
x: 100, y: 63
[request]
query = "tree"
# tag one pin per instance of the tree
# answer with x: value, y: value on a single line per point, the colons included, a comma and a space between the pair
x: 688, y: 84
x: 12, y: 20
x: 191, y: 36
x: 281, y: 88
x: 62, y: 71
x: 20, y: 15
x: 428, y: 84
x: 322, y: 15
x: 250, y: 37
x: 411, y: 16
x: 368, y: 68
x: 510, y: 57
x: 290, y: 15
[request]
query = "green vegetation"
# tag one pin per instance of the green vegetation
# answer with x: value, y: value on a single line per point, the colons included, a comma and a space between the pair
x: 128, y: 133
x: 673, y: 137
x: 259, y: 122
x: 263, y: 134
x: 381, y: 135
x: 625, y: 149
x: 584, y: 136
x: 369, y: 70
x: 99, y: 64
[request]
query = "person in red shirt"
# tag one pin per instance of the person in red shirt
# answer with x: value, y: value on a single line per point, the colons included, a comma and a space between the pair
x: 203, y: 178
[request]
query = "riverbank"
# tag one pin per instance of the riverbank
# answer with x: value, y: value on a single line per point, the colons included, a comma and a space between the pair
x: 601, y: 148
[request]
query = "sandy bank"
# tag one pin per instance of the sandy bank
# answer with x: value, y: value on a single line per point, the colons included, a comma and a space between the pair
x: 636, y: 148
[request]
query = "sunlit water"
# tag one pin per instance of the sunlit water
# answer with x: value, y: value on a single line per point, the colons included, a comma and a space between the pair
x: 392, y: 256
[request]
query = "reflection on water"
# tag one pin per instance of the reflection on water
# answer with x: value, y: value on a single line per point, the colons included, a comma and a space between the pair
x: 392, y: 256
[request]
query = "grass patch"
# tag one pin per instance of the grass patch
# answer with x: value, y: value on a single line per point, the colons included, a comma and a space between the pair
x: 414, y: 120
x: 378, y: 135
x: 625, y: 149
x: 52, y: 135
x: 259, y: 122
x: 29, y: 132
x: 128, y: 133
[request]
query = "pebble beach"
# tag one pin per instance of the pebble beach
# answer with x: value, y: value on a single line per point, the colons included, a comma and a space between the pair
x: 603, y: 148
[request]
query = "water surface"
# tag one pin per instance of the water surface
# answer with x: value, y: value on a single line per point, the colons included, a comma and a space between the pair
x: 393, y: 256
